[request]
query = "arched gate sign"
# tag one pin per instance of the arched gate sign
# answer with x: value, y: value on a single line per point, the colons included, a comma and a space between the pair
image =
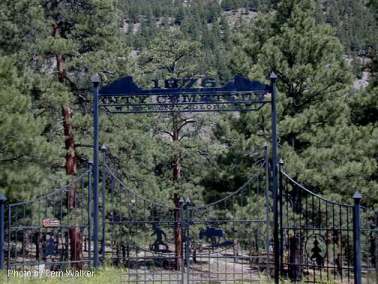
x: 124, y: 96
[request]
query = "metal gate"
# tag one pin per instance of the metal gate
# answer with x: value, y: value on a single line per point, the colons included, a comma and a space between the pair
x: 52, y: 231
x: 227, y: 241
x: 137, y: 233
x: 323, y: 240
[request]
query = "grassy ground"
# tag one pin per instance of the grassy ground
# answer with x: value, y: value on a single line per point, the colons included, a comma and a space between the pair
x: 102, y: 276
x: 106, y: 275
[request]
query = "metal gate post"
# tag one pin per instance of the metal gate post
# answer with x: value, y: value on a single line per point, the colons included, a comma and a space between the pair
x: 2, y: 229
x: 96, y: 84
x: 357, y: 238
x: 276, y: 246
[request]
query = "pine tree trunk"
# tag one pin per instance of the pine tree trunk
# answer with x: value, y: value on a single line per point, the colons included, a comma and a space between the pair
x: 71, y: 160
x: 176, y: 200
x: 178, y: 235
x: 76, y: 247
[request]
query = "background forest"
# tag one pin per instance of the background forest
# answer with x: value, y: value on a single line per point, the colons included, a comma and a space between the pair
x: 324, y: 53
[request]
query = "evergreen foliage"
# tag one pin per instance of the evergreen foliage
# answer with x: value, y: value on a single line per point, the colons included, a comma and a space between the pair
x: 25, y: 154
x: 319, y: 142
x: 328, y: 131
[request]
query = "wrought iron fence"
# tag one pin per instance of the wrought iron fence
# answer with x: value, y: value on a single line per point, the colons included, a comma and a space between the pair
x: 225, y: 241
x: 318, y: 237
x: 369, y: 245
x: 51, y: 231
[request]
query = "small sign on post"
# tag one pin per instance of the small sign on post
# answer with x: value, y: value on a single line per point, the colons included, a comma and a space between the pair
x: 50, y: 223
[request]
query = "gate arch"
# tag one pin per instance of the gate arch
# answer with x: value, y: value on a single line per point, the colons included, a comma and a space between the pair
x: 240, y: 94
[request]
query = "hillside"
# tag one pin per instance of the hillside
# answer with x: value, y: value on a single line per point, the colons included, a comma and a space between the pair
x: 352, y: 21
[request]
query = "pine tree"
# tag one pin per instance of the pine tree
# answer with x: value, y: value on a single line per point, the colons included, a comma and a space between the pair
x: 171, y: 55
x: 83, y: 40
x: 353, y: 22
x: 20, y: 25
x: 373, y: 48
x: 25, y: 155
x: 318, y: 141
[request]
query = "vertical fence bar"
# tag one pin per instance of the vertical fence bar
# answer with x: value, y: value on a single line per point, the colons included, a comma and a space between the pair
x: 375, y: 236
x: 180, y: 221
x: 186, y: 237
x: 2, y: 229
x: 281, y: 188
x: 104, y: 151
x: 96, y: 84
x: 9, y: 235
x: 357, y: 238
x: 276, y: 247
x: 89, y: 212
x: 267, y: 219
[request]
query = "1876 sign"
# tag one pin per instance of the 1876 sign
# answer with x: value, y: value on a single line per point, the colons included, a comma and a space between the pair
x: 174, y: 83
x: 241, y: 94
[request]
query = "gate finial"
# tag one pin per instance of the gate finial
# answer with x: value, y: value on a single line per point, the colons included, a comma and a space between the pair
x: 357, y: 195
x: 95, y: 79
x: 273, y: 76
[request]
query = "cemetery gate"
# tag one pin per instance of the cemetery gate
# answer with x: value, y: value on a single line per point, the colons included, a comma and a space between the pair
x: 270, y: 227
x: 124, y: 96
